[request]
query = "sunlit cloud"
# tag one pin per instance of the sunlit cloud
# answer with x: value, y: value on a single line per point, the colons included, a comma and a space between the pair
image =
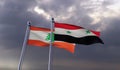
x: 91, y: 14
x: 67, y: 14
x: 99, y: 18
x: 71, y: 9
x: 42, y: 12
x: 114, y: 9
x: 96, y: 16
x: 104, y: 12
x: 43, y: 1
x: 91, y: 4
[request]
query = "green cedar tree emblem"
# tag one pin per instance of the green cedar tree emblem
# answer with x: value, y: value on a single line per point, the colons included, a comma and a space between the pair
x: 48, y: 37
x: 68, y: 32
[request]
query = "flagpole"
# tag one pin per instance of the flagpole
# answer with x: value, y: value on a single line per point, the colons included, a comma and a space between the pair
x: 24, y: 46
x: 50, y: 47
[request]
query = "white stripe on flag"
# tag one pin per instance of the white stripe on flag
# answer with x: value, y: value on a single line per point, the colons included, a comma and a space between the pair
x: 38, y: 35
x: 74, y: 33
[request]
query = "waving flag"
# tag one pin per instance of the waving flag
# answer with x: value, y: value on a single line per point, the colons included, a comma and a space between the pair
x: 41, y: 37
x: 75, y: 34
x: 38, y: 36
x: 65, y: 36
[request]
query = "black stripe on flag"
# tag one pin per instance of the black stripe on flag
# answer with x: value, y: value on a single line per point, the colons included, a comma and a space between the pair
x: 87, y: 40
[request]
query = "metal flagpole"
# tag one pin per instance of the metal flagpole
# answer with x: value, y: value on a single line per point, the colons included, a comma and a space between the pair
x: 24, y: 46
x: 50, y: 47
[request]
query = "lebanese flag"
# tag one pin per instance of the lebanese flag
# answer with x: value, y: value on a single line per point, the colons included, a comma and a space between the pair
x: 76, y: 34
x: 41, y: 37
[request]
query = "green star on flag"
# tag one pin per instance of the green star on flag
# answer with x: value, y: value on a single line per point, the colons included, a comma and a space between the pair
x: 87, y: 31
x: 68, y: 32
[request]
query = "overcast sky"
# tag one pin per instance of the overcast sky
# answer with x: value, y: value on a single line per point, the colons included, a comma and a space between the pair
x: 100, y: 15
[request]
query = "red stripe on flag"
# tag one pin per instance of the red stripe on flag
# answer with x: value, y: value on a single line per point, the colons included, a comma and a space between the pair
x: 96, y: 33
x: 37, y: 43
x: 67, y: 26
x: 65, y: 45
x: 38, y: 28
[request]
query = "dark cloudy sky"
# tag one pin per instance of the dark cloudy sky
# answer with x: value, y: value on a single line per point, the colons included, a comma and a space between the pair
x: 101, y: 15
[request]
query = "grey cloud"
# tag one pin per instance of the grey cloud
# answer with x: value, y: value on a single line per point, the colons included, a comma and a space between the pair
x: 108, y: 2
x: 111, y: 35
x: 13, y: 17
x: 56, y: 5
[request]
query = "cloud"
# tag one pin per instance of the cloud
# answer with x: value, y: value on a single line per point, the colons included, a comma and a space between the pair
x: 84, y: 64
x: 1, y: 3
x: 102, y: 15
x: 112, y: 31
x: 42, y: 12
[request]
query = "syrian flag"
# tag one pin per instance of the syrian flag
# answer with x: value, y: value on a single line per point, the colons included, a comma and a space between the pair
x: 75, y: 34
x: 41, y: 37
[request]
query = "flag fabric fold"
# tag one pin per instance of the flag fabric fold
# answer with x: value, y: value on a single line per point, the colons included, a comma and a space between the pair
x: 41, y: 37
x: 38, y: 36
x: 65, y: 36
x: 76, y: 34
